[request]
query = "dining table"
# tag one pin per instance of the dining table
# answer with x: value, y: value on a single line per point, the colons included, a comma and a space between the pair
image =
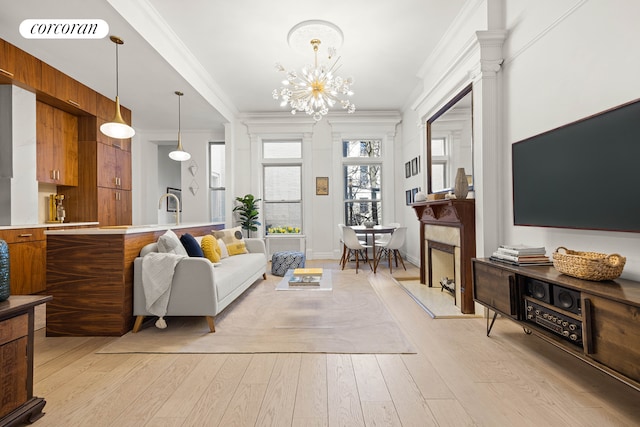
x: 373, y: 231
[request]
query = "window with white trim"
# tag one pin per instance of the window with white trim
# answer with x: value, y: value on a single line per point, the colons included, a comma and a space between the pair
x: 217, y: 180
x: 282, y: 192
x: 362, y: 181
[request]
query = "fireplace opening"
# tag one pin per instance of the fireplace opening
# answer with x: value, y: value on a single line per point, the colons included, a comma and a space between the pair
x: 442, y: 266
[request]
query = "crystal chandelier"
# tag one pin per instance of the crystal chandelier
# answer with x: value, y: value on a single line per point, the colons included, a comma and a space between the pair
x: 316, y: 88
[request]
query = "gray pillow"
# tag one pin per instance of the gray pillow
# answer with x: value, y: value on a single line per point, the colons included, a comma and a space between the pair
x: 170, y: 243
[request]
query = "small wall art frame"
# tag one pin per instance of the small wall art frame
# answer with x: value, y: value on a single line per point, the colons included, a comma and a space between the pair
x: 322, y: 186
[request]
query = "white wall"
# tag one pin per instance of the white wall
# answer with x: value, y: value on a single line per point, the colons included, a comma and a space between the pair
x: 322, y: 151
x: 565, y: 61
x: 150, y: 180
x: 562, y: 61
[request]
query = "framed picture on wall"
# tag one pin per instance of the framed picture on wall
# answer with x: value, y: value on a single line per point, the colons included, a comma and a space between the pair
x: 407, y: 169
x: 322, y: 185
x: 414, y: 166
x: 171, y: 202
x: 407, y: 195
x: 414, y: 191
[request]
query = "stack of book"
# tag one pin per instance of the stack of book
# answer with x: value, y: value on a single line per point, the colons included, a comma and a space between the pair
x: 521, y: 255
x: 306, y: 277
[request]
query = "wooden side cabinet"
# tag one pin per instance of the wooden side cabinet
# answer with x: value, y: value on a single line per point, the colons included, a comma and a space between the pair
x: 496, y: 288
x: 27, y: 259
x: 18, y: 404
x: 597, y: 322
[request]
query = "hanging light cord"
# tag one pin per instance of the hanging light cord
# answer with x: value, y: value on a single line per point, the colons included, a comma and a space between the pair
x: 117, y: 82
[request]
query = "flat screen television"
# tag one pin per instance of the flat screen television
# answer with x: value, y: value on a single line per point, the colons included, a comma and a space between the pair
x: 584, y: 175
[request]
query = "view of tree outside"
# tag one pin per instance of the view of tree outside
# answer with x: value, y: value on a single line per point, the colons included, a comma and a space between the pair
x: 362, y: 181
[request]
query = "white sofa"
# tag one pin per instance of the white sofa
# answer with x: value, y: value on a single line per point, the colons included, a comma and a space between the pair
x: 199, y: 288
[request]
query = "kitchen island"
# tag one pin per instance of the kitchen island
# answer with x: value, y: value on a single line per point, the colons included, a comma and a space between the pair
x: 90, y: 276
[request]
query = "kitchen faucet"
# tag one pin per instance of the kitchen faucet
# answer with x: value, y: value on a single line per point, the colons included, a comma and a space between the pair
x: 177, y: 205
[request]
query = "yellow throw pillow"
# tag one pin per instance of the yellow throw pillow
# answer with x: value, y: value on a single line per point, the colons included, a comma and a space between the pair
x: 210, y: 248
x: 232, y: 238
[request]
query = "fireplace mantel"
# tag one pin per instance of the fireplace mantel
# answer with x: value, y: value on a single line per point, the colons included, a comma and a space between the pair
x: 451, y: 213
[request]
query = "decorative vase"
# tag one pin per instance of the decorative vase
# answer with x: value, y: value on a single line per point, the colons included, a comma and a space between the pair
x: 4, y: 271
x: 461, y: 187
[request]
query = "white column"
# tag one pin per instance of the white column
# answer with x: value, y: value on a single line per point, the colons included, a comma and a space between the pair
x: 488, y: 150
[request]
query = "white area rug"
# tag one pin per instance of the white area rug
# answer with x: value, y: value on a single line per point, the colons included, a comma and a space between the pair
x: 349, y: 319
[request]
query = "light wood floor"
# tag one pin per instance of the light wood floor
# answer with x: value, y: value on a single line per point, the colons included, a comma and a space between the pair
x: 458, y: 377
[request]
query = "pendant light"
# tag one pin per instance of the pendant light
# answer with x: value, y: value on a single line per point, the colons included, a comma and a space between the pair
x: 117, y: 127
x: 179, y: 154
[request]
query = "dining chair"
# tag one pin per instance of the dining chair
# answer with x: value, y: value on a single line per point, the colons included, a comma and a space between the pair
x: 344, y: 247
x: 353, y: 245
x: 384, y: 238
x: 392, y: 247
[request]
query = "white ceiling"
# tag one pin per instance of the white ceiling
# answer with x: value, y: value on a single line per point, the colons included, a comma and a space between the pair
x: 221, y: 53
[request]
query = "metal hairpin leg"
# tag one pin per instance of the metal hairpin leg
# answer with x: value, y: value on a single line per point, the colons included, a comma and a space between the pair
x: 495, y: 314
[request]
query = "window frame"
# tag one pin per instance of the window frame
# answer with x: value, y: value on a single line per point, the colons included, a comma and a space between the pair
x: 377, y: 161
x: 282, y: 162
x: 212, y: 188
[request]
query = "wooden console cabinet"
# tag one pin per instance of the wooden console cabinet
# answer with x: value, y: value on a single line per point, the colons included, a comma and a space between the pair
x: 597, y: 322
x: 18, y: 405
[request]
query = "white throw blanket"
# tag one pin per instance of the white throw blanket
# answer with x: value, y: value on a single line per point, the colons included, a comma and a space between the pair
x: 157, y: 276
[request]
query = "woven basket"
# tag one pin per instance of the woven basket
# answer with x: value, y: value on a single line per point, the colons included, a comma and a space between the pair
x: 588, y: 265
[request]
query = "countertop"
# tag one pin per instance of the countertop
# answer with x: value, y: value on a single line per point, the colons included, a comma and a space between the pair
x: 128, y: 229
x: 48, y: 225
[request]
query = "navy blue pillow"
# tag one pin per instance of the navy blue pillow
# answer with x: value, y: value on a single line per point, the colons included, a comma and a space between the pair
x: 191, y: 245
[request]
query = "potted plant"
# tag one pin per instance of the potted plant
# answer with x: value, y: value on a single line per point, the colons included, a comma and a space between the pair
x: 248, y: 212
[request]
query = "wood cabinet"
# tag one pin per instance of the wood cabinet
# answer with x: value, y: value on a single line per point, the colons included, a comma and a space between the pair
x: 64, y: 88
x: 27, y: 260
x: 613, y: 333
x: 92, y: 170
x: 18, y: 405
x: 18, y: 67
x: 103, y: 193
x: 57, y: 145
x: 498, y: 289
x: 115, y: 171
x: 596, y: 322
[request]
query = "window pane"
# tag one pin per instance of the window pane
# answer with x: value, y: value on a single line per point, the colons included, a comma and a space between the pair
x: 216, y: 154
x: 356, y: 213
x: 367, y: 148
x: 283, y: 217
x: 217, y: 205
x: 217, y: 180
x: 362, y: 182
x: 282, y: 183
x: 437, y: 176
x: 438, y: 147
x: 282, y: 149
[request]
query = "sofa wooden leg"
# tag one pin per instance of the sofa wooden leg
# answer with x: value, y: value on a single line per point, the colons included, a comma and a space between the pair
x: 212, y: 326
x: 264, y: 276
x: 138, y: 324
